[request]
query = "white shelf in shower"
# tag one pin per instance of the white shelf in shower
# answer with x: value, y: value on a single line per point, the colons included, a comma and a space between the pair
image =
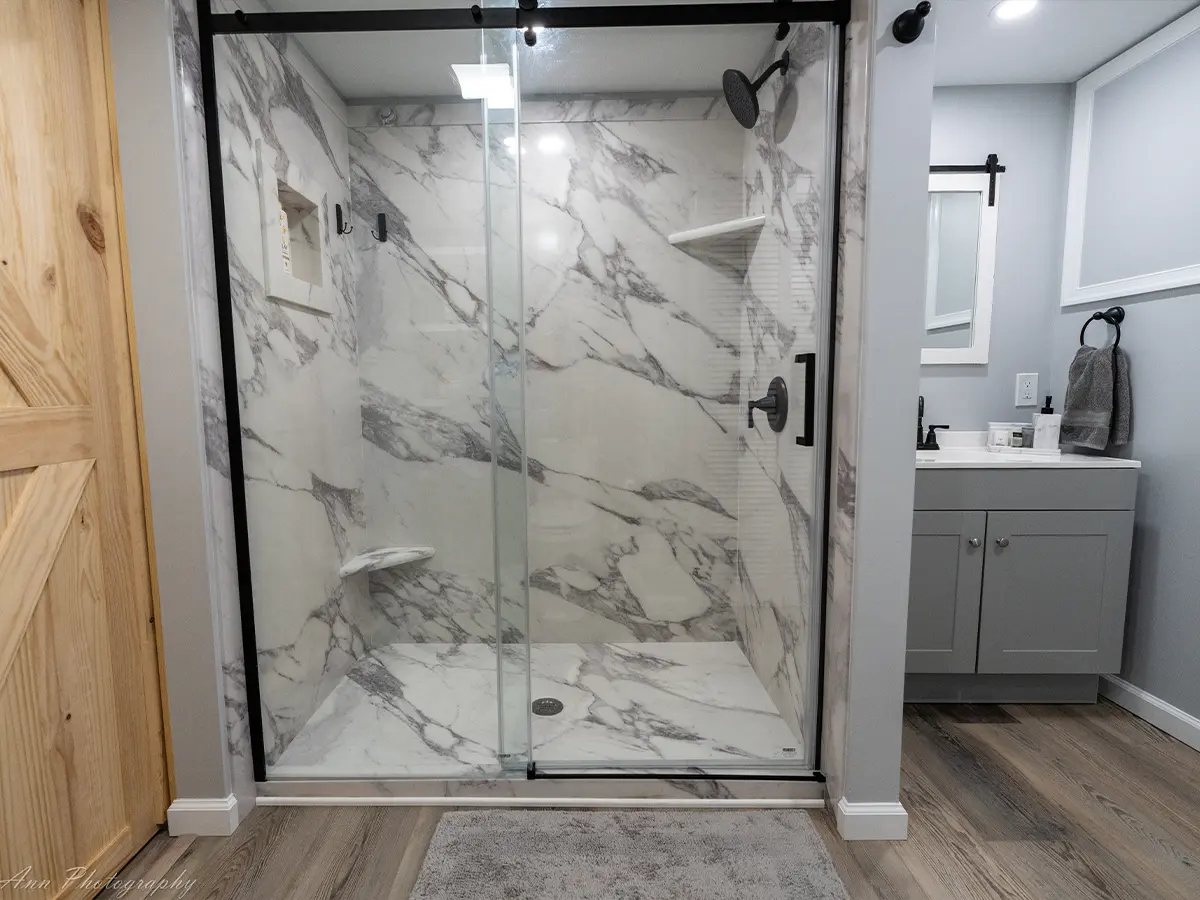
x: 384, y: 558
x: 733, y: 229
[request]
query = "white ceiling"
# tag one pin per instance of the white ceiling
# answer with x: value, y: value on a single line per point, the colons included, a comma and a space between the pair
x: 591, y: 60
x: 678, y: 60
x: 1060, y: 41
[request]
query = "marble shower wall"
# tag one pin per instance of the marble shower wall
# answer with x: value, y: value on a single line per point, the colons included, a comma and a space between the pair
x: 423, y: 332
x: 632, y: 405
x: 632, y: 380
x: 298, y: 386
x: 839, y: 600
x: 202, y: 298
x: 786, y: 288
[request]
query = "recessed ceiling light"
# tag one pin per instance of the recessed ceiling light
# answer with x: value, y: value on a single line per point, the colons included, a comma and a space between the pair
x: 1007, y: 10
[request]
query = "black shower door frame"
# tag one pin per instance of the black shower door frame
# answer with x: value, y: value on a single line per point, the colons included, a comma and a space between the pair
x: 210, y: 24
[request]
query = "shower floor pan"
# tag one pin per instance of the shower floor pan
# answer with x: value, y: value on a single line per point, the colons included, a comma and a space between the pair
x: 430, y: 710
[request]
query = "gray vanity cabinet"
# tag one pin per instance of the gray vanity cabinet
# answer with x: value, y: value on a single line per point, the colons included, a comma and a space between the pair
x: 944, y: 592
x: 1018, y: 573
x: 1054, y: 591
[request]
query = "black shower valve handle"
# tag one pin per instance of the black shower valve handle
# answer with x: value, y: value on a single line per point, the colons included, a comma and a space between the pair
x: 774, y: 404
x: 766, y: 404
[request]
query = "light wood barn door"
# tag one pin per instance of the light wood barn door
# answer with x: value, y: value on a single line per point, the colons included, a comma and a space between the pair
x: 82, y: 783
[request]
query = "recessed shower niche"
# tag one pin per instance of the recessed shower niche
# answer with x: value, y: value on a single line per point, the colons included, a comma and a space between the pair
x: 542, y: 373
x: 294, y: 214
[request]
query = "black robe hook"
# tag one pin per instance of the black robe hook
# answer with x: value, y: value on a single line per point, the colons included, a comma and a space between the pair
x: 381, y: 234
x: 342, y: 227
x: 910, y: 23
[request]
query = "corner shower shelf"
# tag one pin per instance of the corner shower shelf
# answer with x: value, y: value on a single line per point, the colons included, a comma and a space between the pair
x: 384, y: 558
x: 734, y: 229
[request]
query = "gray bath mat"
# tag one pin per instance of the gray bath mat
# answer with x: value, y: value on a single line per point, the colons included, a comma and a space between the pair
x: 519, y: 854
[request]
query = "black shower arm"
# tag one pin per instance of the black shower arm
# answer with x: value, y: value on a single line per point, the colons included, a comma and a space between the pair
x: 781, y: 63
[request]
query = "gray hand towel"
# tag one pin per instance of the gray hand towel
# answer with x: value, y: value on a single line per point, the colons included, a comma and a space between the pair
x: 1097, y: 412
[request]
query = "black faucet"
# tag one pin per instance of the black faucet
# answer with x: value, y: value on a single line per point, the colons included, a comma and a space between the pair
x: 929, y: 441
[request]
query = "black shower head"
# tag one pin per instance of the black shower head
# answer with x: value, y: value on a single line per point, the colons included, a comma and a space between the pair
x: 742, y: 95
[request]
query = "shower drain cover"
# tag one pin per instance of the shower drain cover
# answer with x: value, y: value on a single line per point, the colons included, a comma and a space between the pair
x: 547, y: 706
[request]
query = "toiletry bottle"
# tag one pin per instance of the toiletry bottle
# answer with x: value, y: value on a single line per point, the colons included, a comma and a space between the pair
x: 1046, y: 426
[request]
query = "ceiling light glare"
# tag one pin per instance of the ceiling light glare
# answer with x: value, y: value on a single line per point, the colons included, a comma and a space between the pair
x: 551, y: 144
x: 491, y: 82
x: 1007, y: 10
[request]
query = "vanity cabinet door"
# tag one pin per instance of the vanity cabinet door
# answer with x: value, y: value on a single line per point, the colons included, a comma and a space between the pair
x: 943, y: 600
x: 1054, y: 592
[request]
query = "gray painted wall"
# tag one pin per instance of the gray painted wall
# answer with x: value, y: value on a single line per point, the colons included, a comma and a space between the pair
x: 1160, y: 336
x: 1164, y: 599
x: 143, y: 65
x: 893, y: 313
x: 1029, y: 127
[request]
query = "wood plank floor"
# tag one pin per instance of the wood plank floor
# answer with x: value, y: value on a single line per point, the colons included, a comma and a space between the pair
x: 1035, y: 803
x: 1012, y: 802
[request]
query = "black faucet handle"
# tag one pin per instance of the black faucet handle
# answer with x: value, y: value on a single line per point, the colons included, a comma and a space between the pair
x: 931, y: 442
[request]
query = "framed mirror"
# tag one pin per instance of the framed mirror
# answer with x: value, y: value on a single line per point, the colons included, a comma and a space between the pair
x: 960, y: 269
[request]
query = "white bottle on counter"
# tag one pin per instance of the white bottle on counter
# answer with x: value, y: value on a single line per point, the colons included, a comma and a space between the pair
x: 1046, y: 427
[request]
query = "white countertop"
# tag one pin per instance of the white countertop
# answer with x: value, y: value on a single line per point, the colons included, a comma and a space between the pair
x: 966, y: 450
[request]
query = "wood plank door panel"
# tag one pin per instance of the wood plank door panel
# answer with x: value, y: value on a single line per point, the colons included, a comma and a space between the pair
x: 82, y: 760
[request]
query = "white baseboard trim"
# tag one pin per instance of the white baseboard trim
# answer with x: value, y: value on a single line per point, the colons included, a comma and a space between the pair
x: 871, y: 821
x: 548, y: 802
x: 1159, y: 713
x: 207, y: 817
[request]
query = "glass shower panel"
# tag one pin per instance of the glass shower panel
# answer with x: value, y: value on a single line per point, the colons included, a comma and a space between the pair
x: 374, y: 248
x: 675, y: 263
x: 503, y: 153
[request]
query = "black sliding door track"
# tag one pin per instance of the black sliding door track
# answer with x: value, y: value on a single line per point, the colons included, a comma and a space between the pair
x: 465, y: 17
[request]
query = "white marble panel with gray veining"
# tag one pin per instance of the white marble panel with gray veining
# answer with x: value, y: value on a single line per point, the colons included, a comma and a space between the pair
x: 785, y: 286
x: 431, y: 708
x: 846, y: 380
x: 299, y: 392
x: 632, y: 376
x: 542, y: 110
x: 202, y: 297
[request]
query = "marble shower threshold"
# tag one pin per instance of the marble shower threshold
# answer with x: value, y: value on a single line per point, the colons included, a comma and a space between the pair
x: 430, y: 711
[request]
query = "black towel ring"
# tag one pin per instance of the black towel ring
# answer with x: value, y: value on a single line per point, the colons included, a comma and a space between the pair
x: 1113, y: 317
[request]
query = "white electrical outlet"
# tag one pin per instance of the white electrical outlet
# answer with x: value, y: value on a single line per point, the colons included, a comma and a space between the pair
x: 1027, y: 391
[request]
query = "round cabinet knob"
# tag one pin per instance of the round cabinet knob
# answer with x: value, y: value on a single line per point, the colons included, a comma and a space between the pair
x: 974, y: 542
x: 1001, y: 542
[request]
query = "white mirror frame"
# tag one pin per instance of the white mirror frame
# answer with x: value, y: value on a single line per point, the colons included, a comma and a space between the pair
x: 1074, y: 293
x: 985, y: 271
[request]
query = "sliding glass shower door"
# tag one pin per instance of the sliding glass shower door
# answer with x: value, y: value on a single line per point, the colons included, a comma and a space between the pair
x: 676, y: 267
x: 531, y: 334
x: 502, y: 155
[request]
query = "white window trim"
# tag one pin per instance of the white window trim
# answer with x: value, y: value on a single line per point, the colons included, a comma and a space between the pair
x: 1073, y: 292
